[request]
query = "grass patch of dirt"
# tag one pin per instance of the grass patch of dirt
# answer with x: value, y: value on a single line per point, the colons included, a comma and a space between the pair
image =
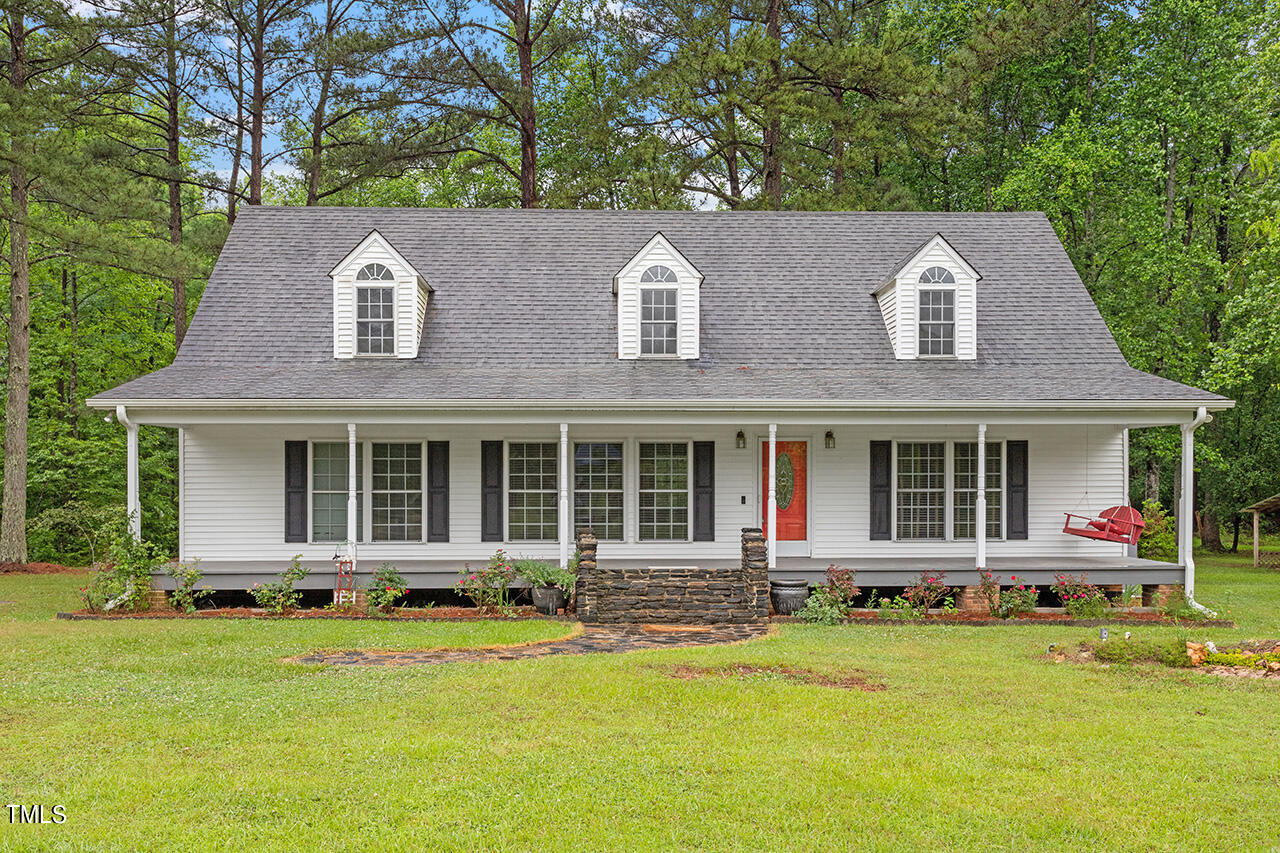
x: 848, y: 680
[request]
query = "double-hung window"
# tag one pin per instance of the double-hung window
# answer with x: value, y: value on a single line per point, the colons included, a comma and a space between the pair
x: 375, y: 311
x: 659, y: 312
x: 597, y: 488
x: 532, y: 484
x: 922, y: 489
x: 937, y: 303
x: 397, y: 492
x: 329, y: 470
x: 965, y: 486
x: 664, y: 491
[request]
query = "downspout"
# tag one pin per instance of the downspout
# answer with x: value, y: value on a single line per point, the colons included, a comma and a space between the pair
x: 1188, y: 510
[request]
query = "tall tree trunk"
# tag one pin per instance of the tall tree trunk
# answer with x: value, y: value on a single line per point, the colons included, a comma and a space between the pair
x: 1170, y: 182
x: 528, y: 118
x: 773, y: 114
x: 257, y: 107
x: 1235, y: 533
x: 237, y: 150
x: 317, y: 139
x: 13, y: 506
x: 731, y: 156
x: 173, y: 131
x: 1151, y: 489
x: 1210, y: 533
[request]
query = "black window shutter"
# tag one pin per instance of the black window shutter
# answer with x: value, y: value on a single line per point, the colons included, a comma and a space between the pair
x: 437, y: 491
x: 295, y: 491
x: 881, y: 490
x: 704, y: 491
x: 491, y: 491
x: 1016, y: 482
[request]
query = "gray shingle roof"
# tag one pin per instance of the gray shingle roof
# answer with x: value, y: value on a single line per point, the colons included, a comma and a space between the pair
x: 523, y: 309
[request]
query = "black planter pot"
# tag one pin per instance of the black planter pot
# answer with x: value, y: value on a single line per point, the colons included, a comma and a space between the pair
x: 788, y: 595
x: 548, y: 599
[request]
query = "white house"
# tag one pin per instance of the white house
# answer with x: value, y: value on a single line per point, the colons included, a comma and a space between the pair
x: 922, y: 390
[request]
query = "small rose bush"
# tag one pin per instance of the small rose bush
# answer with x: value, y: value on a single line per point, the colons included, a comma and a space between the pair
x: 488, y: 587
x: 929, y: 589
x: 385, y: 587
x: 1082, y: 599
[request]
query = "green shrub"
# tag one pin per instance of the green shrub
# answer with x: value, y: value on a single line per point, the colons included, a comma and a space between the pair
x: 279, y: 596
x: 542, y: 573
x: 386, y: 585
x: 1082, y: 599
x: 1159, y: 539
x: 123, y: 583
x: 1236, y: 657
x: 1017, y: 599
x: 185, y: 596
x: 1119, y: 650
x: 927, y: 591
x: 898, y: 608
x: 1180, y: 607
x: 823, y: 607
x: 487, y: 587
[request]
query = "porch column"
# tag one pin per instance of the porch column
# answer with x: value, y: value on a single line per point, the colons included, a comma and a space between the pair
x: 980, y: 499
x: 1255, y: 539
x: 773, y: 496
x: 352, y: 450
x: 132, y: 502
x: 1186, y: 509
x: 565, y: 522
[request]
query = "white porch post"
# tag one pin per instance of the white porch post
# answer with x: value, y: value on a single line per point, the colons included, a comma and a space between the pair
x: 980, y: 500
x: 1255, y: 539
x: 132, y: 502
x: 566, y: 525
x: 773, y: 496
x: 352, y: 449
x: 1186, y: 518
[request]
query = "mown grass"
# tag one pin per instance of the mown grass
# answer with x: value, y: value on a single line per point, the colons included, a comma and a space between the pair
x: 195, y: 736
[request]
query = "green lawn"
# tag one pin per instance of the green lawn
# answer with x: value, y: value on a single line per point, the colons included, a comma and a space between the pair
x: 194, y: 736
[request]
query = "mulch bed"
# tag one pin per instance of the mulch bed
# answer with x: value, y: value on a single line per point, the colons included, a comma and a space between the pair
x: 849, y: 680
x: 40, y: 569
x: 432, y: 614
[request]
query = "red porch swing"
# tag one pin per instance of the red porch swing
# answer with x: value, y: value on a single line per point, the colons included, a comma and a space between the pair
x: 1114, y: 524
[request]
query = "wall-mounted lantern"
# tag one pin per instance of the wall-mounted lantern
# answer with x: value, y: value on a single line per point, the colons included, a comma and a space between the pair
x: 830, y: 440
x: 741, y: 441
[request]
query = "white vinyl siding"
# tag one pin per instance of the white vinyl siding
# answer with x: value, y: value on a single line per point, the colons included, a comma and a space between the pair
x: 598, y: 495
x: 532, y: 491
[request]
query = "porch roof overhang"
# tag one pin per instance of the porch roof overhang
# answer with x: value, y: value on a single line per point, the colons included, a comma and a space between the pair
x: 1129, y: 413
x: 1265, y: 506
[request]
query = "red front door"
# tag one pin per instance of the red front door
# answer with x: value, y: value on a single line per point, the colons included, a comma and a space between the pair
x: 793, y: 489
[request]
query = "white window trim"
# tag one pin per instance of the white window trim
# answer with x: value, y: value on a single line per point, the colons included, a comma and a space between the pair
x: 626, y: 480
x: 922, y: 289
x: 674, y: 287
x: 422, y: 490
x: 506, y: 489
x: 688, y: 443
x: 383, y: 284
x: 949, y: 493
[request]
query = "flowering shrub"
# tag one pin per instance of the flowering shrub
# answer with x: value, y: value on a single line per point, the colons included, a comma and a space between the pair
x: 1082, y: 599
x: 927, y: 591
x: 185, y: 596
x: 279, y: 596
x: 831, y: 601
x: 487, y: 587
x: 1019, y: 598
x: 385, y: 587
x: 841, y: 586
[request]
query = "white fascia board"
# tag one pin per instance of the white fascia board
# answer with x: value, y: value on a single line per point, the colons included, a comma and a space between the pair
x: 658, y: 239
x: 370, y: 239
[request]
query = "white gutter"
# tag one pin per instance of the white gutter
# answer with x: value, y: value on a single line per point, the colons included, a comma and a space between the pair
x: 1188, y: 508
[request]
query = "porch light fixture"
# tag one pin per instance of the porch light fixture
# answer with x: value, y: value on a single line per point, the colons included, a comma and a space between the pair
x: 741, y: 441
x: 829, y: 440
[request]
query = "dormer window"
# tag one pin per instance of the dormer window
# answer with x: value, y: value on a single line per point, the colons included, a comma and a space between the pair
x: 379, y: 302
x: 659, y: 312
x: 937, y: 312
x: 658, y: 304
x: 929, y: 302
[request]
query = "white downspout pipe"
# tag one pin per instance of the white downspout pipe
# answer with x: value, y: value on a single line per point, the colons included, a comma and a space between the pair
x: 352, y: 449
x: 773, y: 496
x: 132, y: 502
x: 980, y: 499
x: 1187, y: 510
x: 565, y: 521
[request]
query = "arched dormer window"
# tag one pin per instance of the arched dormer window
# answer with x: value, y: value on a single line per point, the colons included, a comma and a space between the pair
x: 374, y: 272
x: 937, y: 299
x: 375, y: 311
x: 659, y: 311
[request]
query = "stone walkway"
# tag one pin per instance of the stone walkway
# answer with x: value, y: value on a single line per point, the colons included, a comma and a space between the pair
x: 594, y: 639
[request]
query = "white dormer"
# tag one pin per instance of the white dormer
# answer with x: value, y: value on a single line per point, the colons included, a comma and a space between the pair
x: 658, y: 312
x: 930, y: 304
x: 379, y: 302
